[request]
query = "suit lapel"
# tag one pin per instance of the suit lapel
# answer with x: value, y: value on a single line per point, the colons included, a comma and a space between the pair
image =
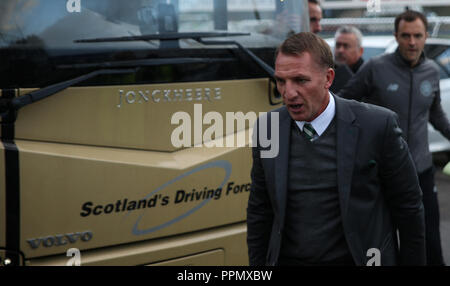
x: 282, y: 160
x: 347, y: 139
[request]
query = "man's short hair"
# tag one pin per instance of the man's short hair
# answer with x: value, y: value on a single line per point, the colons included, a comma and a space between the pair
x: 350, y: 30
x: 308, y: 42
x: 314, y: 2
x: 410, y: 16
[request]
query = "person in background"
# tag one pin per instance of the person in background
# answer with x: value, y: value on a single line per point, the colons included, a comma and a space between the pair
x: 406, y: 82
x: 348, y: 53
x: 315, y: 15
x: 348, y: 48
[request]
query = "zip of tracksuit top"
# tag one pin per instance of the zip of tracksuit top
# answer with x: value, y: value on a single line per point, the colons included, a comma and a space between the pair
x: 413, y: 93
x: 410, y: 100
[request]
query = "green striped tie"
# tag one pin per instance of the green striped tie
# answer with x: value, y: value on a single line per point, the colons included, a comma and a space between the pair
x: 309, y: 131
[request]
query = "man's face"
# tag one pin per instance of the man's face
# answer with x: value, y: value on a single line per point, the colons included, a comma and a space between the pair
x: 315, y: 15
x: 411, y: 38
x: 347, y: 50
x: 303, y: 84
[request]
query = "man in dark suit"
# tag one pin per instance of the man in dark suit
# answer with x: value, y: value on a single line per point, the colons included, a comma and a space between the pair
x: 343, y: 183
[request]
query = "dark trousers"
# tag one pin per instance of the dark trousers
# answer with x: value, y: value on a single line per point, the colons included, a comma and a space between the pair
x: 431, y: 207
x: 343, y: 261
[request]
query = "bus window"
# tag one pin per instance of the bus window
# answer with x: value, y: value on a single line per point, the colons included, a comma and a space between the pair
x: 44, y: 35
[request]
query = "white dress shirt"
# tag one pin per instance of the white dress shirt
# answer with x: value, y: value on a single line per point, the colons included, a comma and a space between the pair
x: 321, y: 123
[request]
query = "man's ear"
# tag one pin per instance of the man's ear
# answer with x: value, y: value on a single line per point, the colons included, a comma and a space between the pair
x: 330, y: 78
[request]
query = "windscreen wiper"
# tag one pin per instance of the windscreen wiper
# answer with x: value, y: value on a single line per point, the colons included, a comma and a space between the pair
x: 267, y: 68
x: 199, y: 38
x: 144, y: 63
x: 162, y: 37
x: 102, y: 68
x: 10, y: 108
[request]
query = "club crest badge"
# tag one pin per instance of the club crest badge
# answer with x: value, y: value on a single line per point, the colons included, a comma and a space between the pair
x: 425, y: 88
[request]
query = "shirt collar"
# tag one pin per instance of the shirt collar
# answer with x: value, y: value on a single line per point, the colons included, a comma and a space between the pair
x: 320, y: 124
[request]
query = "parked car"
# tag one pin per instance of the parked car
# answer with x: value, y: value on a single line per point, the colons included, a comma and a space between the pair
x: 436, y: 49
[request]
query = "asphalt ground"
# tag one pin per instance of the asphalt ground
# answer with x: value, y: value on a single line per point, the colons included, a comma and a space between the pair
x: 443, y: 186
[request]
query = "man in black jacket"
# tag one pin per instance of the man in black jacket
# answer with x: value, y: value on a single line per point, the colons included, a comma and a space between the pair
x: 408, y: 83
x: 343, y: 182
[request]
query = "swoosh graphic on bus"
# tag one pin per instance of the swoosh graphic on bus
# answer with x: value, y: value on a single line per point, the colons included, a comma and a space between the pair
x: 217, y: 164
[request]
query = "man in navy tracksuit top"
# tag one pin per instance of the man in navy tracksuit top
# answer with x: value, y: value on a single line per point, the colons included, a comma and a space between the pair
x: 408, y: 83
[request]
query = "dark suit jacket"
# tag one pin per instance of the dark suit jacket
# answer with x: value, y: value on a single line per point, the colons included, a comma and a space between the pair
x: 343, y: 74
x: 378, y: 189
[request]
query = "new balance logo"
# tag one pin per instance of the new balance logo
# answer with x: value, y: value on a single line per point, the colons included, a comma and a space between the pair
x: 392, y: 87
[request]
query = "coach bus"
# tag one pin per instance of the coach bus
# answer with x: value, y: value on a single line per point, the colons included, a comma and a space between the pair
x: 114, y: 124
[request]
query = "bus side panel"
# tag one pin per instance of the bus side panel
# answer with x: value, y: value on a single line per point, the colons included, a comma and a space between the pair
x: 138, y: 117
x: 214, y: 247
x: 2, y: 202
x: 92, y: 197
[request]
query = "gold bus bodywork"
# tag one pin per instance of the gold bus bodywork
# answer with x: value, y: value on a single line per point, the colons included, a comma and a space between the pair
x: 87, y: 153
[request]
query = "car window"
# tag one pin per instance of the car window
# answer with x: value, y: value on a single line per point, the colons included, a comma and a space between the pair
x: 372, y: 52
x: 443, y: 60
x: 442, y: 73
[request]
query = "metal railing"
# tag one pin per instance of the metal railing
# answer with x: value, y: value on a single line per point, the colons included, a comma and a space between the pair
x: 438, y: 26
x: 355, y: 4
